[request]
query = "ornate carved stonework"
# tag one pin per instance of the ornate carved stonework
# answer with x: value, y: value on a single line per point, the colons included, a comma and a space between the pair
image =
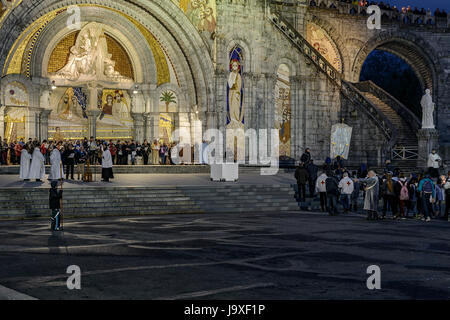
x: 89, y: 58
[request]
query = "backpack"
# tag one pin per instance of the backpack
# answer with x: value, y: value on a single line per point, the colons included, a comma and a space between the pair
x: 427, y: 187
x: 404, y: 194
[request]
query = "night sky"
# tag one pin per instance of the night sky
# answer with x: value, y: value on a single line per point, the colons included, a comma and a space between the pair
x: 432, y: 4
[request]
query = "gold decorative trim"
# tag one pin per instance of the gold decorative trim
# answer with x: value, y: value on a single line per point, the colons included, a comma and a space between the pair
x: 18, y: 49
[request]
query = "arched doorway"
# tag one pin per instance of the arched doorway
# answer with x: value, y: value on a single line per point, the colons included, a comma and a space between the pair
x: 396, y: 76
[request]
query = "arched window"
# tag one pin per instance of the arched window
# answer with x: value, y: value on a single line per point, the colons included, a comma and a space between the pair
x: 235, y: 89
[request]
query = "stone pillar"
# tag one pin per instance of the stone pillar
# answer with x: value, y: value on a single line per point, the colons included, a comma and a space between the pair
x: 428, y: 140
x: 2, y: 122
x: 92, y: 97
x: 184, y: 127
x: 44, y: 124
x: 92, y: 122
x: 32, y: 116
x: 211, y: 120
x: 152, y: 126
x: 138, y: 126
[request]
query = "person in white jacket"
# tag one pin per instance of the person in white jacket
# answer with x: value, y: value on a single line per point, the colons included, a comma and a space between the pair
x: 346, y: 186
x: 107, y: 172
x: 434, y: 164
x: 25, y: 162
x: 37, y: 168
x: 321, y: 188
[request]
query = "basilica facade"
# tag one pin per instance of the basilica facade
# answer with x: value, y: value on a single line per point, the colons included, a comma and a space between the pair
x: 141, y: 69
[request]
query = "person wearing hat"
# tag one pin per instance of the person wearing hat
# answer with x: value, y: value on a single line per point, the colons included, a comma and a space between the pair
x: 55, y: 205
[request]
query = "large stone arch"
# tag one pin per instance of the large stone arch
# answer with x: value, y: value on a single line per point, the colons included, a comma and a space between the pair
x: 122, y: 30
x: 170, y: 26
x: 408, y: 46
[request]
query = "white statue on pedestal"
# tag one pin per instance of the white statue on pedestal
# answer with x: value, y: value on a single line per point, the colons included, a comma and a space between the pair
x: 427, y: 110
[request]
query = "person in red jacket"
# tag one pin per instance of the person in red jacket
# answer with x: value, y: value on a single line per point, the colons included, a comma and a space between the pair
x: 18, y: 151
x: 113, y: 150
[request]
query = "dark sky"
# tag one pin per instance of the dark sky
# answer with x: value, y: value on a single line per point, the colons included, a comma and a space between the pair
x: 432, y: 4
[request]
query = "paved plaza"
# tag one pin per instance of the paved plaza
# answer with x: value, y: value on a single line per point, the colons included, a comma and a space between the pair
x: 226, y: 256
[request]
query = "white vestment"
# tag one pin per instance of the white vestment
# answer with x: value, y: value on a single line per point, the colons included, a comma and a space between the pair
x: 37, y: 168
x: 25, y: 158
x: 107, y: 159
x: 433, y: 160
x: 57, y: 169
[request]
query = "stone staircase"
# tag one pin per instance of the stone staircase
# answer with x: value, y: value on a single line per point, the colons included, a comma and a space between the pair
x: 26, y: 203
x: 405, y: 136
x: 244, y: 198
x: 394, y: 120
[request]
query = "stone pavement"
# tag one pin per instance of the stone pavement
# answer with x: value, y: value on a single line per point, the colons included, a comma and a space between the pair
x: 227, y: 256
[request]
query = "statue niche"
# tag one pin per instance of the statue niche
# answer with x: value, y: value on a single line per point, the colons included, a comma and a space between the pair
x: 89, y: 59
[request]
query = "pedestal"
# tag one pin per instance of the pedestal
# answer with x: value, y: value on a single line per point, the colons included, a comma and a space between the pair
x: 92, y: 122
x: 224, y: 172
x: 428, y: 140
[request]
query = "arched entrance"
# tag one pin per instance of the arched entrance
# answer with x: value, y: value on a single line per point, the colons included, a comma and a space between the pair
x: 110, y: 79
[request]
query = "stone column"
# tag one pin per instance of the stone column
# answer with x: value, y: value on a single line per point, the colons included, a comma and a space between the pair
x: 32, y: 116
x: 428, y: 140
x: 92, y: 122
x: 44, y: 124
x: 93, y: 97
x: 155, y: 117
x: 2, y: 121
x: 184, y: 126
x: 138, y: 126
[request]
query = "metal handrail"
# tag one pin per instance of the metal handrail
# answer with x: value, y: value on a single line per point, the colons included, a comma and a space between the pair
x: 411, y: 119
x: 347, y: 89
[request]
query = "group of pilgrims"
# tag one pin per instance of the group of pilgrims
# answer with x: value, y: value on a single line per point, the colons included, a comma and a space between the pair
x: 32, y: 163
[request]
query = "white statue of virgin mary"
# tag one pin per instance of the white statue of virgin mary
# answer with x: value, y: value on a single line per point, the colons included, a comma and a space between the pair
x: 427, y: 110
x: 89, y: 58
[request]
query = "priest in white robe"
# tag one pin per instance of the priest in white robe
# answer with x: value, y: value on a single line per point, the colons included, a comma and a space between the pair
x: 25, y: 162
x: 107, y: 164
x: 37, y: 168
x: 56, y: 169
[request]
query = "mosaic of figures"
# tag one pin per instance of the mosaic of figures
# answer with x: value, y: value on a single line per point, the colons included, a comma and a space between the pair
x: 69, y: 112
x: 202, y: 13
x: 319, y: 39
x: 283, y: 109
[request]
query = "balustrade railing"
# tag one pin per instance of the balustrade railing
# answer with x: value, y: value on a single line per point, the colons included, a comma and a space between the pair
x: 347, y: 89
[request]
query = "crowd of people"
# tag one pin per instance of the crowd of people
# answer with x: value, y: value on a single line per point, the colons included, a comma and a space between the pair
x: 76, y: 155
x: 386, y: 6
x: 420, y: 196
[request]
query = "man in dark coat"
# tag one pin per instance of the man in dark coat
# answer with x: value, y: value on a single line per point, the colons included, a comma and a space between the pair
x: 55, y: 197
x: 301, y: 175
x: 332, y: 186
x: 312, y: 177
x: 306, y: 157
x: 69, y: 161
